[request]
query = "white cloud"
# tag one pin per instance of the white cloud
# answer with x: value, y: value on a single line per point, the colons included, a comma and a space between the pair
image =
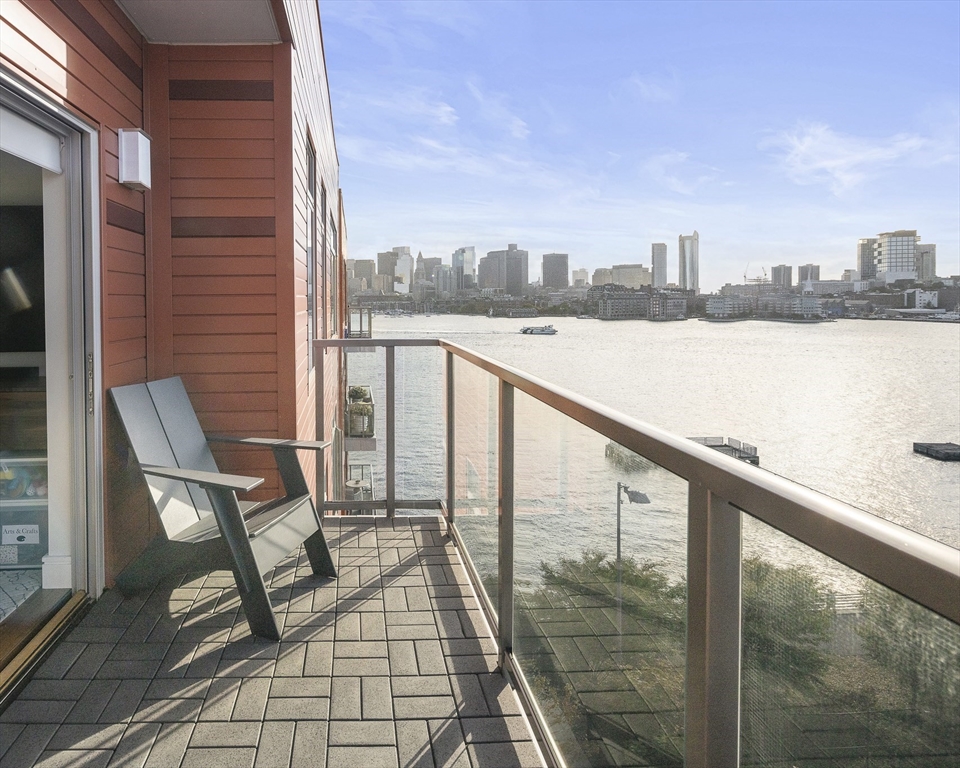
x: 494, y: 110
x: 813, y: 153
x: 676, y: 172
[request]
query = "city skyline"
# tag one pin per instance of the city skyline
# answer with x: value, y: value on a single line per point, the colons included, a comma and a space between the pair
x: 868, y: 252
x: 582, y: 141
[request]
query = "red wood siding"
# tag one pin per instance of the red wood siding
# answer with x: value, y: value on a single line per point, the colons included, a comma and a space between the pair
x: 212, y: 113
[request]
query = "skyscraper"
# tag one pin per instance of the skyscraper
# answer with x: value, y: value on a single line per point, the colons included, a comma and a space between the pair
x: 658, y: 263
x: 690, y: 262
x: 926, y: 262
x: 580, y: 278
x: 464, y: 264
x: 555, y: 271
x: 808, y: 272
x: 866, y: 258
x: 896, y: 255
x: 505, y: 270
x: 782, y: 276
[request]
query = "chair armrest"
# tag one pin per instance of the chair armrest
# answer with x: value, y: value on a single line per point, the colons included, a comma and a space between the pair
x: 269, y: 442
x: 204, y: 479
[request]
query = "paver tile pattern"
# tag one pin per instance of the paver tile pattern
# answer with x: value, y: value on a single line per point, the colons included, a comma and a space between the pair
x: 378, y: 667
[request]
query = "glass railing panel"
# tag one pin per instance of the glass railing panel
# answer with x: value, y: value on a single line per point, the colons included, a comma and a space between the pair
x: 838, y: 670
x: 364, y: 431
x: 420, y: 425
x: 601, y: 641
x: 476, y: 403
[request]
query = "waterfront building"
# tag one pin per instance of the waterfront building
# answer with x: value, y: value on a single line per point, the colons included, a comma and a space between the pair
x: 790, y: 305
x: 623, y: 305
x: 896, y: 255
x: 506, y: 271
x: 916, y: 298
x: 690, y: 262
x: 781, y: 276
x: 926, y: 262
x: 581, y: 278
x: 866, y: 257
x: 602, y: 276
x: 555, y: 272
x: 808, y: 272
x: 464, y: 262
x: 658, y: 264
x: 631, y: 275
x: 730, y: 306
x: 667, y: 306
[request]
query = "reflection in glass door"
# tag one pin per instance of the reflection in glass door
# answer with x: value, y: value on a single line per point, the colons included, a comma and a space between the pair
x: 23, y: 408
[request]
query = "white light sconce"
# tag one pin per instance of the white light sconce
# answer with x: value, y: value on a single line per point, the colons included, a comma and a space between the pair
x: 134, y: 158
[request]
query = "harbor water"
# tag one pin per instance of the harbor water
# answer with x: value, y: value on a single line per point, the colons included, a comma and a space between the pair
x: 834, y: 406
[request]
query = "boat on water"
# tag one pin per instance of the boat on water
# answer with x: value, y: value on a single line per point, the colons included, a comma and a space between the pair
x: 538, y: 330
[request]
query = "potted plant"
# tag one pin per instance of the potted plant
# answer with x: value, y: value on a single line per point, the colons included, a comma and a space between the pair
x: 360, y: 419
x: 359, y: 393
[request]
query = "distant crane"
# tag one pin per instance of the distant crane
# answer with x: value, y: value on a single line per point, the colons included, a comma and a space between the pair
x: 760, y: 282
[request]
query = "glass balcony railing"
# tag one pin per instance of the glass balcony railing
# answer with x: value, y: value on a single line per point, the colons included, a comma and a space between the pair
x: 657, y: 603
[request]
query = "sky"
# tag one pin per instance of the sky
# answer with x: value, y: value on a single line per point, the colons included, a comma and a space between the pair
x: 782, y: 132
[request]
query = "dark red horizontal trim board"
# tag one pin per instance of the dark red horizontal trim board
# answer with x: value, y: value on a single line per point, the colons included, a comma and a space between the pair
x: 221, y: 90
x: 223, y: 226
x: 126, y: 218
x: 86, y: 23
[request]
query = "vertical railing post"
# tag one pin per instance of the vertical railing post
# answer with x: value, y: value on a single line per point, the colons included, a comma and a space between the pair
x: 451, y: 443
x: 505, y: 522
x: 391, y: 432
x: 319, y: 354
x: 712, y: 731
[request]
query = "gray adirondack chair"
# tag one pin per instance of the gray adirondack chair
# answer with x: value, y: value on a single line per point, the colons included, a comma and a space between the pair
x: 205, y: 526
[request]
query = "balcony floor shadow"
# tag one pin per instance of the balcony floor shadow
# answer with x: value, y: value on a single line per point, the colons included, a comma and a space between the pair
x: 391, y: 664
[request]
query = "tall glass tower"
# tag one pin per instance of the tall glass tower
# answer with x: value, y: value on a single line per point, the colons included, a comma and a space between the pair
x: 658, y: 263
x: 690, y: 262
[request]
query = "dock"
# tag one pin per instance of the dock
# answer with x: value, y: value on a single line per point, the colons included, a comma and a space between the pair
x: 939, y: 451
x: 729, y: 446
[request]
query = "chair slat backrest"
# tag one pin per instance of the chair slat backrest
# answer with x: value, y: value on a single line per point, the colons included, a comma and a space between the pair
x: 163, y: 429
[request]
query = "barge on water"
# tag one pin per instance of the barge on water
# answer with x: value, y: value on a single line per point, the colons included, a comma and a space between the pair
x: 939, y: 451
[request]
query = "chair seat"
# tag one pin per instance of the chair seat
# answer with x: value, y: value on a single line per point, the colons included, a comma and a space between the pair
x: 259, y: 517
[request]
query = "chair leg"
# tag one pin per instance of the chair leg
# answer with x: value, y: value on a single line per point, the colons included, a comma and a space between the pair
x: 257, y: 607
x: 319, y: 555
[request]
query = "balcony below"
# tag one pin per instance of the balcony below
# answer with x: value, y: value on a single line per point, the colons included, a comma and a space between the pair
x: 390, y: 664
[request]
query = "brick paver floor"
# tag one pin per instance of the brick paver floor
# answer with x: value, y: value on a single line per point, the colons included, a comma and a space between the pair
x: 391, y: 664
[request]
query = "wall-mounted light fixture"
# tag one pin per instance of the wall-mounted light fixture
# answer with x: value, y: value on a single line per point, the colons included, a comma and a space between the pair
x: 134, y: 158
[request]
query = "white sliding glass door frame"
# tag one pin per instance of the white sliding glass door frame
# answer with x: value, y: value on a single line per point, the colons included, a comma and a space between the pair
x: 71, y: 202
